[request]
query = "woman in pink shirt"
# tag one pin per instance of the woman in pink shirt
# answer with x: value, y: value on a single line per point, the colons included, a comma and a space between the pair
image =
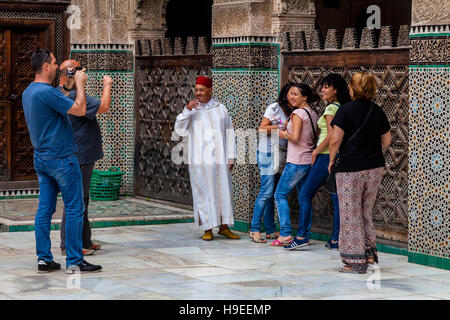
x: 302, y: 136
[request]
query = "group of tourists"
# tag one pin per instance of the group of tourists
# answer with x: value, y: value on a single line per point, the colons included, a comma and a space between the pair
x: 351, y: 131
x: 353, y: 125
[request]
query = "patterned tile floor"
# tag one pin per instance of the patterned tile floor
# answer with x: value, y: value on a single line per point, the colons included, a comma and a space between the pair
x: 21, y: 212
x: 172, y: 262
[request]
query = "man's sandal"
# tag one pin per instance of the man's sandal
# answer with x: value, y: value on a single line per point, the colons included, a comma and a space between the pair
x: 348, y: 269
x: 253, y: 236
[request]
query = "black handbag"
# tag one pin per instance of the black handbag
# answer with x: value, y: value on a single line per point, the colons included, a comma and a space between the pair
x: 330, y: 184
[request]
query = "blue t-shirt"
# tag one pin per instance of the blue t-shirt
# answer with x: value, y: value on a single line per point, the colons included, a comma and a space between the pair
x: 86, y: 130
x: 45, y: 110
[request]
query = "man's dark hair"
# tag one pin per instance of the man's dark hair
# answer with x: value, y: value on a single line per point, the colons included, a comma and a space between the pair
x: 38, y: 58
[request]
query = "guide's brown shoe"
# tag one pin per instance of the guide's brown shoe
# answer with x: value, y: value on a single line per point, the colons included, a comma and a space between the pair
x: 208, y: 236
x: 230, y: 235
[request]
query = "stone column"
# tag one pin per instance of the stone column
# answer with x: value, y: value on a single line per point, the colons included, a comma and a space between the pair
x: 102, y: 44
x: 429, y: 125
x: 246, y: 80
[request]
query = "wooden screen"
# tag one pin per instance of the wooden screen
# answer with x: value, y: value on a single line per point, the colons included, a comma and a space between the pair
x: 390, y: 67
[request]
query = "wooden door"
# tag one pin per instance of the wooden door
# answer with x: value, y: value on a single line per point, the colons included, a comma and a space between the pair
x: 16, y: 47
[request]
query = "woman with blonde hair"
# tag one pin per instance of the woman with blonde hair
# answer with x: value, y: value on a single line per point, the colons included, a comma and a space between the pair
x: 360, y: 130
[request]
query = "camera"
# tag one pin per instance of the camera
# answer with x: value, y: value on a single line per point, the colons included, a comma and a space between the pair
x: 71, y: 73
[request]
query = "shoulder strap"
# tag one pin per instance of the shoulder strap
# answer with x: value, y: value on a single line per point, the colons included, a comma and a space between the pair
x: 336, y: 104
x: 312, y: 125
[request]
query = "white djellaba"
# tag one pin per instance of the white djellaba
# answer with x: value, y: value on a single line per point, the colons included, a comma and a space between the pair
x: 211, y: 146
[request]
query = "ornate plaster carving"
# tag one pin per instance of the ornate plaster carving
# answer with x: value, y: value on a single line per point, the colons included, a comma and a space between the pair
x: 430, y: 51
x: 293, y: 7
x: 430, y: 12
x: 148, y: 17
x: 293, y: 16
x: 243, y: 18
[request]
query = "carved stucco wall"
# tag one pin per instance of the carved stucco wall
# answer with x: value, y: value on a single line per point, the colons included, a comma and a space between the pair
x: 430, y: 12
x: 102, y: 22
x: 119, y: 21
x: 232, y: 18
x: 293, y: 16
x: 122, y: 21
x: 147, y: 18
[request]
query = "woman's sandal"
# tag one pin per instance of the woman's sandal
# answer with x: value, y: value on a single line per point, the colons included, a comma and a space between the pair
x: 252, y: 236
x: 348, y: 269
x: 278, y: 243
x: 274, y: 235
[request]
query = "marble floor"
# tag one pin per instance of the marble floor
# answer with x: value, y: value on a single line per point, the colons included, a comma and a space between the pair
x: 172, y: 262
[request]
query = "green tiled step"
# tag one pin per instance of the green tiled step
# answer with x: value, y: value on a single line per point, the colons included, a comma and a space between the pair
x: 100, y: 224
x: 427, y: 260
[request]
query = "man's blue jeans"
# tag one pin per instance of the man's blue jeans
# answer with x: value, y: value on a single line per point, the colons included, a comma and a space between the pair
x: 316, y: 177
x: 264, y: 203
x: 59, y: 174
x: 294, y: 175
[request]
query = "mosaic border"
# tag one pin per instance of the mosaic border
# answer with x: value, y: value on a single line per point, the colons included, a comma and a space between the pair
x: 246, y: 56
x: 424, y: 31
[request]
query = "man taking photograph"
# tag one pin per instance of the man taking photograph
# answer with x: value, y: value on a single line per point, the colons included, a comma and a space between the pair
x: 47, y: 112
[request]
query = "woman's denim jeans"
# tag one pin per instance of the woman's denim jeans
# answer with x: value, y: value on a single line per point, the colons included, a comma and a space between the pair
x: 316, y: 177
x: 294, y: 175
x: 264, y: 204
x: 59, y: 174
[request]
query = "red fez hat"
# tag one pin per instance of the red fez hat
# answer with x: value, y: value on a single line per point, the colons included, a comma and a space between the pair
x: 204, y: 81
